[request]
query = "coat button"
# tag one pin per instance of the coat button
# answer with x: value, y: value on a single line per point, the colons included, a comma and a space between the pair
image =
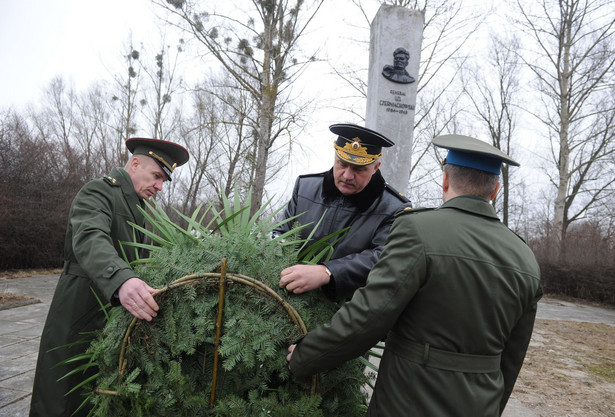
x: 110, y: 269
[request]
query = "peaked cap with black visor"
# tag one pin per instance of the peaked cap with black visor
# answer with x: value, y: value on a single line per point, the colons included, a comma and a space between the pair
x: 357, y: 145
x: 473, y: 153
x: 168, y: 155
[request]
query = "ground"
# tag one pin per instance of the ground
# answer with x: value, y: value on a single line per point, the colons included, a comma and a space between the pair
x: 10, y: 300
x: 569, y: 369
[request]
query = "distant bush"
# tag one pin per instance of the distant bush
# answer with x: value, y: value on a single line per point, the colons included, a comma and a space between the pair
x: 592, y: 284
x: 35, y: 195
x: 585, y: 268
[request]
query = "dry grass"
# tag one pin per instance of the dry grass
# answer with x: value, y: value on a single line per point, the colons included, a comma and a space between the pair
x: 24, y: 273
x: 569, y: 370
x: 12, y: 300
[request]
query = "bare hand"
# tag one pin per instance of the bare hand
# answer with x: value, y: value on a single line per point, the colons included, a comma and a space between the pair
x: 136, y: 297
x: 302, y: 278
x: 291, y: 349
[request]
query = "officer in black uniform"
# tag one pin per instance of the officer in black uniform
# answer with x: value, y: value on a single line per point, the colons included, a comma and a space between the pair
x: 353, y: 194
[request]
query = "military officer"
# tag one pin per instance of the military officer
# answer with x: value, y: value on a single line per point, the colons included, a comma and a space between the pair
x: 353, y: 194
x: 95, y: 267
x: 454, y: 293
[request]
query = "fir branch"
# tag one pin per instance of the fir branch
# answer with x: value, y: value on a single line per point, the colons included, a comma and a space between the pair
x: 164, y: 367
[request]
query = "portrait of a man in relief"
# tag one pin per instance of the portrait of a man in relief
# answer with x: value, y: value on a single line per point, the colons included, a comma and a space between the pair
x: 397, y: 72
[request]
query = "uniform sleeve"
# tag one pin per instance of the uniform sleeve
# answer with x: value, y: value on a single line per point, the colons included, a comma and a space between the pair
x: 373, y: 310
x: 350, y: 272
x: 516, y: 348
x: 289, y: 211
x: 93, y: 246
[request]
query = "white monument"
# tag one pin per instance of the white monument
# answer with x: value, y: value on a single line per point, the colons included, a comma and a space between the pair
x: 394, y: 55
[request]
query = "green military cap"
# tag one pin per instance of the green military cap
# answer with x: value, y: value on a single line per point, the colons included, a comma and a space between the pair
x: 358, y: 145
x: 168, y: 155
x: 472, y: 153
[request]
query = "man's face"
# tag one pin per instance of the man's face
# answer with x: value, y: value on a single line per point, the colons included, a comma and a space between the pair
x: 400, y: 61
x: 147, y: 176
x: 352, y: 179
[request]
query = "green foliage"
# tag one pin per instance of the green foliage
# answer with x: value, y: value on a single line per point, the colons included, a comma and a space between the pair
x: 168, y: 364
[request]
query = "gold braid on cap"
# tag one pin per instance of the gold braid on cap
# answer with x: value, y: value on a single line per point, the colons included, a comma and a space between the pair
x: 159, y: 158
x: 355, y: 149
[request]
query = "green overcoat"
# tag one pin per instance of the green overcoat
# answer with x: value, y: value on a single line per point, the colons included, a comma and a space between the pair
x: 455, y: 294
x: 98, y: 222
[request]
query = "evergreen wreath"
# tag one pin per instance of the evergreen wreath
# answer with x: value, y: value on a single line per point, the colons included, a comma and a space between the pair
x: 218, y: 345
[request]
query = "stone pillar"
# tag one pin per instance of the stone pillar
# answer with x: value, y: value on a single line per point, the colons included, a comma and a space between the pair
x: 394, y: 55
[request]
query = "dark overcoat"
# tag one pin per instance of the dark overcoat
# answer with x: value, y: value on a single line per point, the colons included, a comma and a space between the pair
x: 94, y: 264
x: 369, y: 215
x: 455, y: 294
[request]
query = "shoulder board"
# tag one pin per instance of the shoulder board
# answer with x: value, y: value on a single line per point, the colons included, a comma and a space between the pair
x: 516, y: 234
x: 411, y: 210
x: 111, y: 181
x: 320, y: 174
x: 396, y: 193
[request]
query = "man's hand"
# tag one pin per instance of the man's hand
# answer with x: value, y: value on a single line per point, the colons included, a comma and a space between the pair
x: 291, y: 349
x: 302, y: 278
x: 136, y: 297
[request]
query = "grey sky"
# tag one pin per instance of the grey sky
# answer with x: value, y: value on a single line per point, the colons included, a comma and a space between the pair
x: 40, y: 39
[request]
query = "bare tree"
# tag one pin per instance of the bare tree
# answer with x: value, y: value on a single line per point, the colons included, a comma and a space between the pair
x: 256, y: 42
x: 573, y: 61
x: 492, y: 87
x: 124, y: 101
x: 92, y: 119
x: 219, y: 134
x: 141, y: 100
x: 233, y: 168
x: 199, y: 131
x: 160, y: 116
x: 55, y: 122
x: 35, y: 194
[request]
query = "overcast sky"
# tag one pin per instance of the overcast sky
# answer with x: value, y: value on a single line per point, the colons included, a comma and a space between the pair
x: 40, y: 39
x: 82, y: 40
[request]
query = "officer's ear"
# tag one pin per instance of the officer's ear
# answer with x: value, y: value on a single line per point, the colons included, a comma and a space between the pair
x: 133, y: 163
x: 495, y: 192
x: 445, y: 181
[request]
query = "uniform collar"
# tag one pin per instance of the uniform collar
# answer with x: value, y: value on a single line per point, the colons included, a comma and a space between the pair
x: 130, y: 195
x: 472, y: 204
x: 363, y: 200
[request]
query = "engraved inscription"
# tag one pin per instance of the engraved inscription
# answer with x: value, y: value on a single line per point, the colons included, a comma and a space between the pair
x: 395, y: 104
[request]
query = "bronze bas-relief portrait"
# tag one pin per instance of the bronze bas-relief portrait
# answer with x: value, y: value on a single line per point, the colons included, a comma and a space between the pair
x: 397, y: 72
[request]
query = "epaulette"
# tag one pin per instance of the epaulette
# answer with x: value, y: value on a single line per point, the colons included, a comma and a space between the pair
x: 396, y: 193
x: 111, y: 181
x: 412, y: 210
x: 516, y: 234
x: 319, y: 174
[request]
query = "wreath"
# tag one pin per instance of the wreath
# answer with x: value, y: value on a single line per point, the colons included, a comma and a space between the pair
x: 218, y: 345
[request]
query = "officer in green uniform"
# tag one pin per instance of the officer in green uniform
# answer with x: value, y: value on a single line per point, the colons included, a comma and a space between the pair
x: 95, y: 267
x: 454, y: 293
